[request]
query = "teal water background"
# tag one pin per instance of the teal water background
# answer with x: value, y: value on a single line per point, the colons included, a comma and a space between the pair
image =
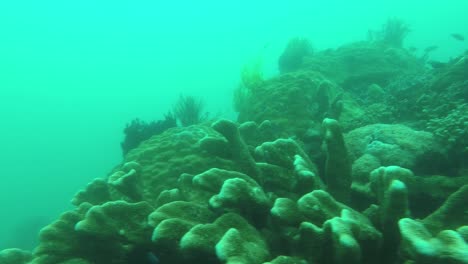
x: 72, y: 73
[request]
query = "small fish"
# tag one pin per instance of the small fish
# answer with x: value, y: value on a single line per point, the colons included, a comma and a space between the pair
x: 436, y: 64
x: 458, y: 37
x: 430, y: 48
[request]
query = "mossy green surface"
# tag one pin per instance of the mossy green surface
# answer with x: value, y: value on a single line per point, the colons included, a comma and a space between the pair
x: 243, y: 206
x: 291, y: 102
x: 359, y: 64
x: 15, y: 256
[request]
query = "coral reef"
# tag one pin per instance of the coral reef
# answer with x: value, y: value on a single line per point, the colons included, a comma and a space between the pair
x: 440, y: 237
x: 395, y: 145
x: 294, y: 102
x: 229, y: 203
x: 331, y: 162
x: 14, y: 256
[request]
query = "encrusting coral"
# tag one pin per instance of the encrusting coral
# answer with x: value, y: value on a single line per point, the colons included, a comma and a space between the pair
x: 245, y: 212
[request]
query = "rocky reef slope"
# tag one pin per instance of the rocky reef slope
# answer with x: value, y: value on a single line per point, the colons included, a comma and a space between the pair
x: 357, y: 156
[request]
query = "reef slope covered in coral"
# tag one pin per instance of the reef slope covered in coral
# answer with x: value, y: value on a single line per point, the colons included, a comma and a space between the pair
x: 358, y: 155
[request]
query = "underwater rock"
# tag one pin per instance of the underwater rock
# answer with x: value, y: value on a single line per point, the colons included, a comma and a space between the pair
x: 375, y: 93
x: 59, y: 242
x: 425, y: 194
x: 319, y: 206
x: 95, y: 234
x: 239, y: 196
x: 356, y: 65
x: 15, y: 256
x: 292, y: 102
x: 189, y: 212
x: 338, y: 165
x: 318, y: 228
x: 421, y: 246
x: 96, y: 192
x: 392, y: 197
x: 230, y: 191
x: 206, y: 196
x: 117, y: 220
x: 346, y: 238
x: 249, y: 193
x: 163, y: 158
x: 231, y: 239
x: 127, y: 181
x: 452, y: 129
x: 361, y: 168
x: 237, y: 147
x: 253, y: 192
x: 345, y: 247
x: 452, y: 214
x: 254, y: 135
x: 171, y: 222
x: 286, y: 167
x: 396, y: 145
x: 123, y: 184
x: 285, y: 212
x: 168, y: 196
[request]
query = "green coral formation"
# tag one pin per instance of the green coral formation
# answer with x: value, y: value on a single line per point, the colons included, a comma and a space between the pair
x: 290, y: 102
x: 441, y: 236
x: 338, y: 166
x: 236, y: 214
x: 448, y: 246
x: 234, y: 203
x: 331, y: 162
x: 352, y: 66
x: 14, y: 256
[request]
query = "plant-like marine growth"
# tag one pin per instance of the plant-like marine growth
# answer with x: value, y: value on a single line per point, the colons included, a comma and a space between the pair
x: 251, y: 78
x: 138, y: 130
x: 241, y: 99
x: 393, y: 33
x: 251, y: 74
x: 293, y: 55
x: 188, y: 110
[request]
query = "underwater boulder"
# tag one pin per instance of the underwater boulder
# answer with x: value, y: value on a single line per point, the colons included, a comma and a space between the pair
x: 421, y: 246
x: 15, y: 256
x: 396, y: 145
x: 357, y: 65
